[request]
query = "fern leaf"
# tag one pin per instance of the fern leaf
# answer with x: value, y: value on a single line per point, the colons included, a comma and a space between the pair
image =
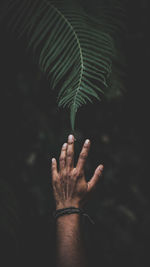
x: 74, y: 49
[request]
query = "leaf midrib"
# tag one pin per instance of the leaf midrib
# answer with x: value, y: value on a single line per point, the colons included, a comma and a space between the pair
x: 80, y: 50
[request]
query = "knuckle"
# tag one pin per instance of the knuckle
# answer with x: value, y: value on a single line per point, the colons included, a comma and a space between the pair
x: 68, y: 172
x: 69, y: 154
x: 64, y: 173
x: 75, y: 173
x: 61, y: 158
x: 83, y: 155
x: 53, y: 168
x: 74, y: 177
x: 69, y: 176
x: 86, y: 145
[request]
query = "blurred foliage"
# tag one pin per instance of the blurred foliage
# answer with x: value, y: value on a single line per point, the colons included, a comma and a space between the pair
x: 32, y: 132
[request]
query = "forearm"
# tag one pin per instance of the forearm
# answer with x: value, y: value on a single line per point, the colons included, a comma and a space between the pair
x: 70, y: 249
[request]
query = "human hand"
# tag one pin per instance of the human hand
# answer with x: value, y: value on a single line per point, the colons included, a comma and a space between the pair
x: 69, y: 184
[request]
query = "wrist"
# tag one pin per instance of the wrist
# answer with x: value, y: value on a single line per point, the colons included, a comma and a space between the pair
x: 69, y: 213
x: 71, y: 218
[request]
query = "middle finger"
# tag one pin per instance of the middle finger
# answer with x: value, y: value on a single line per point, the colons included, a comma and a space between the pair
x: 70, y: 152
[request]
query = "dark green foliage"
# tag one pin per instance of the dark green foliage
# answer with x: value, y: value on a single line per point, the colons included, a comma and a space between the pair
x: 76, y: 50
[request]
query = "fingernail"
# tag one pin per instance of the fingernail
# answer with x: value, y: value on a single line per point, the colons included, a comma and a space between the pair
x: 87, y: 141
x: 64, y: 145
x: 53, y: 160
x: 101, y: 167
x: 71, y: 138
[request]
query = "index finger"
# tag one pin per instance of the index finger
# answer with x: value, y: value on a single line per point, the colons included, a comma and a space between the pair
x: 83, y: 155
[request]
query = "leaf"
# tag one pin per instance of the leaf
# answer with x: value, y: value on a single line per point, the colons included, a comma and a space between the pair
x: 74, y: 49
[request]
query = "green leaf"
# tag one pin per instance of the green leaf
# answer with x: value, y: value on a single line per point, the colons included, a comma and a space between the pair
x: 71, y: 46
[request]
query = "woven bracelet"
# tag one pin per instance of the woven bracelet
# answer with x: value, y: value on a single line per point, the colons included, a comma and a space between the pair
x: 71, y: 210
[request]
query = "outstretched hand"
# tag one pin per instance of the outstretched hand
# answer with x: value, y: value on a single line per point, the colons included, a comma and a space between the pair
x: 69, y: 184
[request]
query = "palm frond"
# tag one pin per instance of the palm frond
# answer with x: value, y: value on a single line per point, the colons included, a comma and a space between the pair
x: 74, y: 49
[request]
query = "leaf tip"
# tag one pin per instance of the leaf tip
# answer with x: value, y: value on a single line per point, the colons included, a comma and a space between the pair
x: 73, y: 111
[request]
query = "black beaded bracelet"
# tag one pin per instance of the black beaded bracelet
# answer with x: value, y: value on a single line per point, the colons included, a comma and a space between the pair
x: 71, y: 210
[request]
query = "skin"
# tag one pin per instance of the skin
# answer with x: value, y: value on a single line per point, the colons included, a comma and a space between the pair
x: 71, y: 189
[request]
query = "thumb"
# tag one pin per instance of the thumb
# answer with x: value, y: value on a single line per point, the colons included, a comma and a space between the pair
x: 94, y: 180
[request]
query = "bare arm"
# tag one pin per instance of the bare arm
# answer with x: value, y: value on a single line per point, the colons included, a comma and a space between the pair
x: 70, y: 247
x: 71, y: 189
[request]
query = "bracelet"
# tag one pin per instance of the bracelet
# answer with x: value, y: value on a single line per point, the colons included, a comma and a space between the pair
x: 71, y: 210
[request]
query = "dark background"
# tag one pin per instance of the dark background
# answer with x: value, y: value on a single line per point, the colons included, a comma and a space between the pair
x: 32, y: 132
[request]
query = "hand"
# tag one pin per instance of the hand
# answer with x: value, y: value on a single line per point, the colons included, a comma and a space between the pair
x: 69, y: 184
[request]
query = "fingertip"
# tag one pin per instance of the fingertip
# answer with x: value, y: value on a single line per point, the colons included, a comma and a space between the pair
x: 87, y: 142
x: 99, y: 170
x: 53, y: 160
x: 70, y: 138
x: 101, y: 167
x: 64, y: 145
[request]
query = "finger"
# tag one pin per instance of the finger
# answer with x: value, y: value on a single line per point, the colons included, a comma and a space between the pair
x: 70, y: 152
x: 83, y: 155
x: 54, y: 168
x: 62, y: 158
x: 95, y: 179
